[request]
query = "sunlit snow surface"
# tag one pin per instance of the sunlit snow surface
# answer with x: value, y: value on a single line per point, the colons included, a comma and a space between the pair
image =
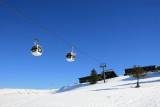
x: 116, y: 92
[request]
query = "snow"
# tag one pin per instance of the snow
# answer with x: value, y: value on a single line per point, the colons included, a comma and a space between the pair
x: 116, y: 92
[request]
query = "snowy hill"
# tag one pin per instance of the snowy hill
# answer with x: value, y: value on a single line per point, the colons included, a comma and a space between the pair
x: 116, y: 92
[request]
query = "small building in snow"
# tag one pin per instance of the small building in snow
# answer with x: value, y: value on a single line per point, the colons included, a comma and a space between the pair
x: 108, y: 74
x: 152, y: 68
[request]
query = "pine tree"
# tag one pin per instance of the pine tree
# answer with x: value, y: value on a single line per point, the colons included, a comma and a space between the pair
x: 138, y: 72
x: 94, y: 77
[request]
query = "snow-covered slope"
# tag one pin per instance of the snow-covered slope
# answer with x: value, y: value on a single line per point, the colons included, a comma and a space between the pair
x: 116, y: 92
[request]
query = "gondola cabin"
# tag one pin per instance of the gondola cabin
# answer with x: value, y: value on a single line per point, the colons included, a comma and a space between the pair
x: 36, y: 50
x: 70, y: 57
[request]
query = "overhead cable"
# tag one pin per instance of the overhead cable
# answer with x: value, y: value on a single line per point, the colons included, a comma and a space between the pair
x: 46, y: 30
x: 26, y: 34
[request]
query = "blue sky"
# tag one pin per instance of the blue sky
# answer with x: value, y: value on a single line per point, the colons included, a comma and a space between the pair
x: 121, y: 33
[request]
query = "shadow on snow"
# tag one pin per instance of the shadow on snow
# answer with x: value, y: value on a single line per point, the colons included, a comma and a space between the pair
x: 105, y: 89
x: 140, y: 83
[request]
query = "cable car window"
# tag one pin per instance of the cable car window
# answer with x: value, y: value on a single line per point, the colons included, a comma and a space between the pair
x: 34, y: 48
x: 69, y: 56
x: 39, y: 49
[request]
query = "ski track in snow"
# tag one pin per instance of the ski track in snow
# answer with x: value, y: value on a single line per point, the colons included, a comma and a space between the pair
x: 116, y: 92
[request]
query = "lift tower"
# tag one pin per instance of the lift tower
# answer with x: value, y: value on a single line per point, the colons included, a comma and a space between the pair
x: 102, y: 65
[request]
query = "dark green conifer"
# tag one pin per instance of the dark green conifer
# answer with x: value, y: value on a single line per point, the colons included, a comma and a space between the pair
x: 94, y: 77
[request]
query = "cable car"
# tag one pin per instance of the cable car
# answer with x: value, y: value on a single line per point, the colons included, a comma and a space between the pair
x: 36, y: 49
x: 70, y: 57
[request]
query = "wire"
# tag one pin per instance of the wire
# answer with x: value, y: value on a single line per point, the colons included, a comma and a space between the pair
x: 36, y: 24
x: 46, y: 30
x: 26, y: 34
x: 88, y: 55
x: 11, y: 27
